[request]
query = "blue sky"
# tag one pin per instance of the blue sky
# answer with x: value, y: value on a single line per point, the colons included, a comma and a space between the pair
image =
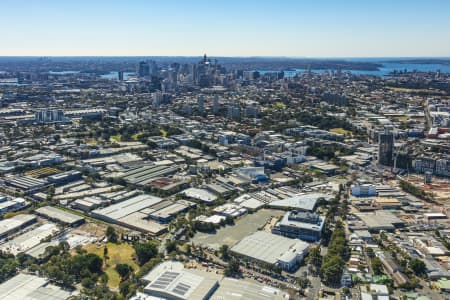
x: 315, y: 28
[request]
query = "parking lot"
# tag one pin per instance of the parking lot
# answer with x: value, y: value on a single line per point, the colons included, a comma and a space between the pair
x: 230, y: 235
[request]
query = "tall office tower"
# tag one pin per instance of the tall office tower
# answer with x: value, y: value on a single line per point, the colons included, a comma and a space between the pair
x: 153, y: 68
x: 157, y: 99
x: 120, y: 75
x: 216, y: 104
x: 201, y: 104
x: 143, y: 69
x: 386, y: 147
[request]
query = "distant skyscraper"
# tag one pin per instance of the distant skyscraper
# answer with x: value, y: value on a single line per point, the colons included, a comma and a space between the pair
x: 120, y: 74
x: 386, y: 147
x: 216, y: 104
x: 201, y: 103
x: 143, y: 69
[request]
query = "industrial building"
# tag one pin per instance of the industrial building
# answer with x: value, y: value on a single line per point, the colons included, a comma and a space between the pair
x: 87, y: 203
x: 380, y: 220
x: 143, y: 175
x: 132, y: 213
x: 169, y: 280
x: 31, y: 287
x: 60, y: 216
x: 302, y: 202
x: 231, y: 288
x: 25, y: 184
x: 30, y: 239
x: 267, y: 248
x: 7, y: 204
x: 302, y: 225
x: 165, y: 211
x: 15, y: 224
x: 65, y: 177
x: 199, y: 194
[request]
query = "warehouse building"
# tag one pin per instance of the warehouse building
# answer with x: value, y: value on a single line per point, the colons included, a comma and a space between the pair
x: 267, y: 248
x: 65, y: 177
x: 200, y: 195
x: 31, y: 287
x: 231, y: 288
x: 302, y: 202
x: 7, y: 204
x: 15, y: 224
x: 29, y: 239
x: 380, y: 220
x: 169, y: 280
x: 165, y: 211
x: 25, y: 184
x: 132, y: 213
x: 143, y: 175
x: 301, y: 225
x: 87, y: 203
x: 58, y: 215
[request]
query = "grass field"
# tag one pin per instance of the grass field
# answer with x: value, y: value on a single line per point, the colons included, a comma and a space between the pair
x: 135, y: 136
x: 163, y: 133
x: 403, y: 119
x: 340, y: 131
x: 118, y: 254
x: 115, y: 138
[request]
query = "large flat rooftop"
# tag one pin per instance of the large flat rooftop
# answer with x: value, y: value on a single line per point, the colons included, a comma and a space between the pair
x: 31, y: 287
x: 267, y: 247
x: 59, y: 215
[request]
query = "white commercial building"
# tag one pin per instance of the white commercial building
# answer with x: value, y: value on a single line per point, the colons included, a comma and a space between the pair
x: 268, y: 248
x: 364, y: 190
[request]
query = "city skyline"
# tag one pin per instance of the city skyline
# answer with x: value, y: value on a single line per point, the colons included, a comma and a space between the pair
x: 241, y: 29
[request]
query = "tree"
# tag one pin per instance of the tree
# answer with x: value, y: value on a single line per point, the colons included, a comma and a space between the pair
x: 87, y: 282
x: 224, y: 251
x: 315, y: 259
x: 331, y: 270
x: 124, y: 270
x: 105, y: 254
x: 232, y: 268
x: 171, y: 246
x: 145, y: 251
x: 370, y: 253
x: 418, y: 266
x: 377, y: 266
x: 111, y: 234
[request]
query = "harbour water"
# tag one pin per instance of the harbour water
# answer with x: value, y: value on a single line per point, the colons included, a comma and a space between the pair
x: 384, y: 70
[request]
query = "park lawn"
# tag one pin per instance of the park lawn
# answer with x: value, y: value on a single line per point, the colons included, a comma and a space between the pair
x: 115, y: 138
x: 340, y: 131
x: 403, y: 119
x: 280, y: 105
x: 118, y: 254
x: 135, y: 136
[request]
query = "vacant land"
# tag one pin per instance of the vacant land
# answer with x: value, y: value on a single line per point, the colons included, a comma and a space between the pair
x: 115, y: 138
x: 340, y: 131
x: 136, y: 136
x: 230, y: 235
x: 118, y: 254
